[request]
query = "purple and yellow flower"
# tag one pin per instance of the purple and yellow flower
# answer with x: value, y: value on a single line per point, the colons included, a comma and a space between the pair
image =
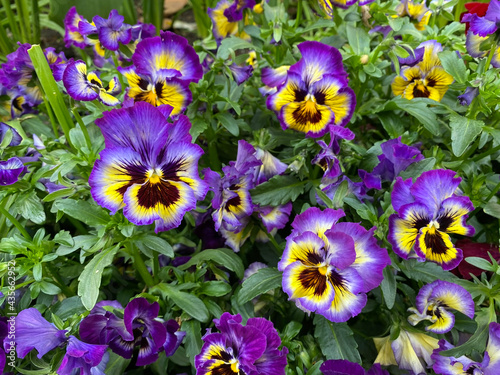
x: 315, y: 94
x: 395, y: 158
x: 111, y: 32
x: 345, y: 367
x: 419, y: 14
x: 427, y: 79
x: 72, y: 35
x: 427, y: 212
x: 10, y: 171
x: 433, y: 302
x: 271, y: 166
x: 149, y: 166
x: 225, y: 17
x: 328, y: 5
x: 240, y: 73
x: 81, y: 85
x: 328, y: 267
x: 410, y: 351
x: 272, y: 78
x: 275, y: 217
x: 162, y: 69
x: 34, y: 332
x: 490, y: 365
x: 241, y: 350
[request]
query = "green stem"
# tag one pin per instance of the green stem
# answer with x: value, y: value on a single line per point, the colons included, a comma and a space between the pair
x: 459, y: 8
x: 35, y: 16
x: 16, y: 223
x: 140, y: 266
x: 53, y: 271
x: 493, y: 192
x: 486, y: 153
x: 4, y: 42
x: 490, y: 56
x: 156, y: 267
x: 12, y: 22
x: 83, y: 127
x: 51, y: 115
x: 22, y: 25
x: 299, y: 13
x: 129, y: 12
x: 272, y: 240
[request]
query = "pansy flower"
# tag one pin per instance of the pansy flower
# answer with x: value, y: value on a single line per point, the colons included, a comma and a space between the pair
x: 111, y: 32
x: 149, y: 166
x: 427, y: 79
x: 418, y: 13
x: 490, y: 365
x: 328, y: 267
x: 473, y: 8
x: 225, y: 17
x: 328, y: 5
x: 315, y: 93
x: 10, y: 171
x: 72, y: 35
x: 89, y: 359
x: 241, y: 350
x: 427, y: 212
x: 272, y: 78
x: 410, y: 351
x: 482, y: 22
x: 433, y: 302
x: 81, y: 85
x: 162, y: 69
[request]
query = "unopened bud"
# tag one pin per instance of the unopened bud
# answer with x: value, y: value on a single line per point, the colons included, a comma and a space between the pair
x: 364, y: 59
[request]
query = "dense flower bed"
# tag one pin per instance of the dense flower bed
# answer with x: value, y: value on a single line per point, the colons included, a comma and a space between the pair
x: 290, y: 194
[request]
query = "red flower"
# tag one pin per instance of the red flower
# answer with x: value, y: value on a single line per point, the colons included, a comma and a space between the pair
x: 473, y: 8
x: 473, y: 249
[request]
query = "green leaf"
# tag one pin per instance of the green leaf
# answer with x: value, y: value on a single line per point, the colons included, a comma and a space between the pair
x: 391, y: 123
x: 228, y: 122
x: 359, y: 40
x: 85, y: 211
x: 463, y: 132
x: 389, y: 287
x: 198, y: 126
x: 454, y: 65
x: 51, y: 90
x: 154, y: 243
x: 90, y: 278
x: 192, y: 341
x: 29, y: 206
x: 58, y: 194
x: 116, y: 364
x: 64, y: 238
x: 224, y: 257
x: 234, y: 43
x: 478, y: 340
x: 492, y: 209
x: 336, y: 340
x: 215, y: 288
x: 425, y: 271
x: 419, y: 110
x: 188, y: 303
x: 480, y: 263
x: 278, y: 190
x: 49, y: 288
x: 416, y: 169
x: 264, y: 280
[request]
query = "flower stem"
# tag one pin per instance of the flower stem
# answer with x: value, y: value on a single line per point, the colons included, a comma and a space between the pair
x: 83, y: 128
x: 140, y: 266
x: 490, y: 56
x: 16, y: 223
x: 60, y: 282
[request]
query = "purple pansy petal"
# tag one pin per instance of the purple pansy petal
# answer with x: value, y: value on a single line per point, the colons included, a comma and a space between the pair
x: 371, y: 259
x: 401, y: 194
x: 453, y: 296
x: 34, y: 332
x: 271, y: 166
x: 493, y: 350
x: 10, y: 171
x: 16, y: 138
x: 275, y: 217
x: 473, y: 45
x: 241, y: 73
x: 174, y: 337
x: 72, y: 35
x: 370, y: 180
x: 413, y: 58
x: 316, y: 221
x: 168, y: 51
x: 317, y: 60
x: 482, y: 26
x: 306, y: 247
x: 76, y: 83
x: 341, y: 367
x: 341, y: 252
x: 274, y: 77
x: 80, y: 355
x: 140, y: 310
x: 347, y: 302
x: 453, y: 215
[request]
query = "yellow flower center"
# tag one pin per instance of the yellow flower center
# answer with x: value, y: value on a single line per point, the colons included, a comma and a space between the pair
x: 323, y: 270
x: 154, y: 176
